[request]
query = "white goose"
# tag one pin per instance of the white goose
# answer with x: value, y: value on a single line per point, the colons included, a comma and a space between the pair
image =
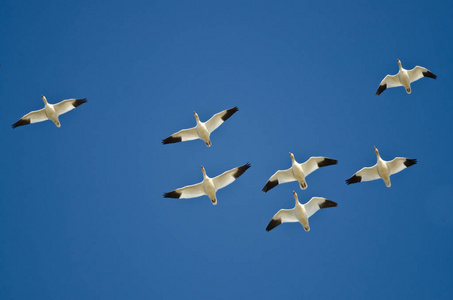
x: 404, y: 78
x: 49, y: 112
x: 300, y: 213
x: 298, y: 171
x: 209, y: 186
x: 382, y: 169
x: 201, y: 130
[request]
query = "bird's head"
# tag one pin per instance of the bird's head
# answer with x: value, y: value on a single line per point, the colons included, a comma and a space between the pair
x: 203, y: 170
x: 295, y: 196
x: 376, y: 151
x: 291, y: 155
x: 399, y: 62
x: 196, y: 116
x: 44, y: 98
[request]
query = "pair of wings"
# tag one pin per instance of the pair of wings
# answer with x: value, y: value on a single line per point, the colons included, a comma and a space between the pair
x: 197, y: 190
x: 212, y: 124
x: 371, y: 173
x: 312, y: 164
x: 289, y: 215
x: 394, y: 80
x: 40, y: 115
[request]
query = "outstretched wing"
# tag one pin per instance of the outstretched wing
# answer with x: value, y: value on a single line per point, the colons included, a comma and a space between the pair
x: 182, y: 136
x: 67, y: 105
x: 32, y: 117
x: 216, y: 120
x: 190, y: 191
x: 317, y: 203
x: 388, y: 82
x: 365, y: 174
x: 281, y: 176
x: 400, y: 163
x: 316, y: 162
x: 420, y: 72
x: 282, y: 216
x: 228, y: 177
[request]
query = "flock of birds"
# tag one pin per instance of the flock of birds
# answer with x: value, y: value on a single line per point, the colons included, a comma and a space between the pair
x: 297, y: 172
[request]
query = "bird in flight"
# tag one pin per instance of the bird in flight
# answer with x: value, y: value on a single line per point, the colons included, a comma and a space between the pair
x: 300, y: 213
x: 404, y: 78
x: 201, y: 130
x: 49, y: 112
x: 298, y: 171
x: 382, y: 169
x: 209, y: 186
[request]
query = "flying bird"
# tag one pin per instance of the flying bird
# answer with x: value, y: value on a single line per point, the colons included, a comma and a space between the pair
x: 300, y: 213
x: 404, y: 78
x: 382, y: 169
x: 49, y: 112
x: 298, y: 171
x: 209, y: 186
x: 201, y: 130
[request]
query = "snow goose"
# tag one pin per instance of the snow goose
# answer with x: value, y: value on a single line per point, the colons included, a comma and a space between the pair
x: 300, y: 213
x: 49, y: 112
x: 382, y: 169
x: 298, y: 171
x: 209, y: 186
x: 404, y: 78
x: 201, y: 130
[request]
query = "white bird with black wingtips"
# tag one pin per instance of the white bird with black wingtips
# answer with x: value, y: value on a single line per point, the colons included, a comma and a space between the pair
x: 382, y: 169
x: 298, y: 171
x: 209, y: 186
x: 49, y: 112
x: 202, y: 130
x: 300, y: 213
x: 404, y: 78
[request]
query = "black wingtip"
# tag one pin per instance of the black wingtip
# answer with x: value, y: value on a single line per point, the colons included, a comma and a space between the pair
x: 353, y: 179
x: 269, y: 185
x: 328, y: 203
x: 171, y: 140
x: 229, y: 113
x: 21, y: 122
x: 79, y: 102
x: 241, y: 170
x: 381, y: 89
x: 327, y: 162
x: 410, y: 162
x: 429, y: 74
x: 172, y: 194
x: 272, y: 224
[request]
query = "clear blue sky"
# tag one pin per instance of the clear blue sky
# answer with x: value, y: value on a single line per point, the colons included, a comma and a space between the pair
x: 81, y: 209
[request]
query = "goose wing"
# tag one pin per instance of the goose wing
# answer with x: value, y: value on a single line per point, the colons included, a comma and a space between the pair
x: 228, y: 177
x: 281, y: 176
x: 282, y: 216
x: 67, y: 105
x: 32, y: 117
x: 365, y: 174
x: 316, y: 162
x: 217, y: 119
x: 388, y: 82
x: 420, y: 72
x: 317, y: 203
x: 400, y: 163
x: 182, y: 136
x: 190, y: 191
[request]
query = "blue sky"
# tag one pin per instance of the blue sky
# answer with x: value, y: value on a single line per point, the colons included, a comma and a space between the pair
x: 81, y: 209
